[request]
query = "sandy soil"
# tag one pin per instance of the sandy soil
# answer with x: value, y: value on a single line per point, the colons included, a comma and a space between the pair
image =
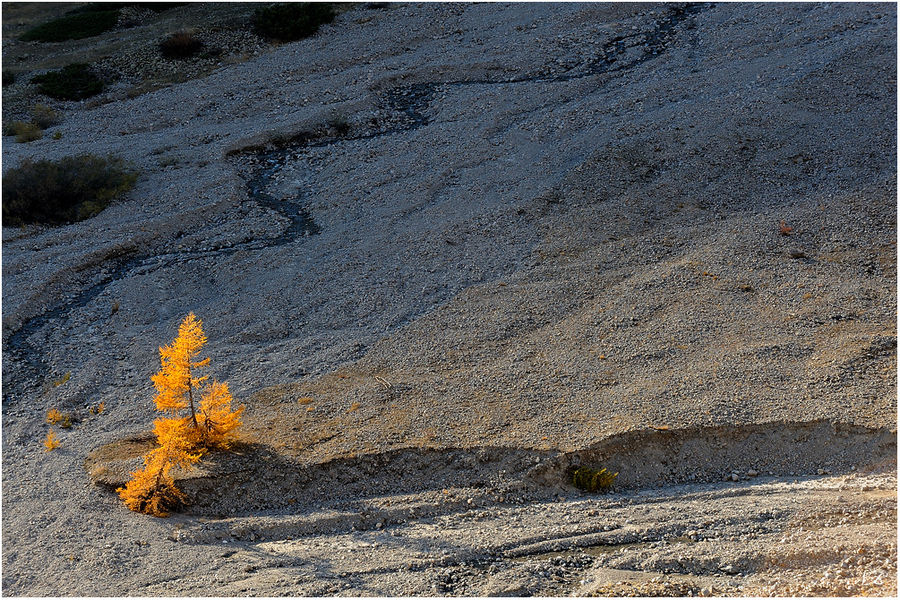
x: 443, y: 254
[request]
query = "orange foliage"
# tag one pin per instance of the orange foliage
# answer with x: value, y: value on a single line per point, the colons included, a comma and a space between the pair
x: 152, y: 489
x: 175, y: 381
x: 182, y: 439
x: 54, y: 416
x: 216, y: 422
x: 52, y: 442
x: 212, y: 424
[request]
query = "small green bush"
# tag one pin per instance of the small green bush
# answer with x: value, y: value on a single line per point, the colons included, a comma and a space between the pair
x: 9, y: 78
x: 180, y: 45
x: 592, y: 480
x: 45, y: 117
x: 71, y: 189
x: 292, y: 21
x: 73, y: 26
x: 72, y: 82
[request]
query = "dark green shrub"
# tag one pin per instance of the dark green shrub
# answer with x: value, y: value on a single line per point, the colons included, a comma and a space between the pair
x: 592, y: 480
x: 71, y: 189
x: 73, y: 26
x: 72, y: 82
x: 180, y: 45
x: 292, y: 21
x: 9, y: 78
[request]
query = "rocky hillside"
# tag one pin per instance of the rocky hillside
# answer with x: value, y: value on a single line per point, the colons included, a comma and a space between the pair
x: 445, y: 250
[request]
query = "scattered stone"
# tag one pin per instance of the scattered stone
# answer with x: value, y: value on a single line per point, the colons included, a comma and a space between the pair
x: 730, y: 569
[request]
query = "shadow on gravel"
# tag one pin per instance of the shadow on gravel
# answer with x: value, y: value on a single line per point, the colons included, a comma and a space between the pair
x: 652, y: 458
x: 254, y: 478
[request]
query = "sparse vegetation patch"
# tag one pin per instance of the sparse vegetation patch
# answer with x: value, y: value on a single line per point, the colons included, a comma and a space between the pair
x: 44, y: 117
x: 71, y: 189
x: 339, y: 123
x: 24, y: 132
x: 55, y: 417
x: 592, y: 480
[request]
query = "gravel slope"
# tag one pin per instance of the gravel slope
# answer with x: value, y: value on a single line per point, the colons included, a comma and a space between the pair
x: 542, y: 226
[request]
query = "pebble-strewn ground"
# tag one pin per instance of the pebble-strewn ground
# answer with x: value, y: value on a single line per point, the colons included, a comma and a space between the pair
x: 469, y: 235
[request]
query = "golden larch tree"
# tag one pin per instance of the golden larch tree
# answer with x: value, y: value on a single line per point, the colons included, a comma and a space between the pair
x: 181, y: 439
